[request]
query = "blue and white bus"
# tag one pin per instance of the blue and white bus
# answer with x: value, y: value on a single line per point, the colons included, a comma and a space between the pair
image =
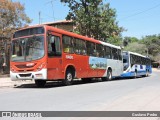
x: 135, y: 64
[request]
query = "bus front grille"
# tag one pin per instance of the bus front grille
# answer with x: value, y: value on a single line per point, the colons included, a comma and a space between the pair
x: 25, y: 75
x: 24, y: 66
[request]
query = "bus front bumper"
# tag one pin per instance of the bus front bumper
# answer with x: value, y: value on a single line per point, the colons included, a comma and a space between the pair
x: 42, y: 74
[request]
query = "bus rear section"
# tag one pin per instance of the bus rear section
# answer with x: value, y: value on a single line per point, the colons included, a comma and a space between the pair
x: 135, y: 65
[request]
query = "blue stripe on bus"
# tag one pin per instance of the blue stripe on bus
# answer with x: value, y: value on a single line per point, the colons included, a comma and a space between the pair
x: 128, y: 74
x: 131, y: 74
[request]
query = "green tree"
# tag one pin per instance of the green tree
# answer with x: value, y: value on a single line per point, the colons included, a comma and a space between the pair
x: 12, y: 16
x: 148, y: 45
x: 152, y: 43
x: 128, y: 40
x: 136, y: 47
x: 93, y: 18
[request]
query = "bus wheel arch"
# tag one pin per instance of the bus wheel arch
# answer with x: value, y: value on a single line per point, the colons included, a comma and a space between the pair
x: 135, y: 73
x: 147, y: 73
x: 69, y: 75
x: 40, y: 83
x: 109, y: 73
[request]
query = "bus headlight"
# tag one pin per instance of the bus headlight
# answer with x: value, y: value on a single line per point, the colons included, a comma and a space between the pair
x: 12, y: 69
x: 40, y: 66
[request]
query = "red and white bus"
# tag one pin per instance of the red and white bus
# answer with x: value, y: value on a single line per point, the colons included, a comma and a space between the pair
x: 43, y: 53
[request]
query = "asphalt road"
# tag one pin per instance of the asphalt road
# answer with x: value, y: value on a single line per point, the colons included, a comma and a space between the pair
x: 141, y: 94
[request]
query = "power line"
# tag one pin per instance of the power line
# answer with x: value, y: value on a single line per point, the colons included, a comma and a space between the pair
x: 49, y: 17
x: 141, y: 12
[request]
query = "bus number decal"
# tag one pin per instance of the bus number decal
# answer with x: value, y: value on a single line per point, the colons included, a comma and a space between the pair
x: 69, y: 57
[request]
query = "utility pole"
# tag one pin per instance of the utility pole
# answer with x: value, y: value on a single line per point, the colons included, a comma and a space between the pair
x: 39, y: 17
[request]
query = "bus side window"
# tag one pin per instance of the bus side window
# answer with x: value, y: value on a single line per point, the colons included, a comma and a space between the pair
x: 99, y: 50
x: 80, y: 46
x: 119, y: 54
x: 115, y: 53
x: 83, y: 47
x: 91, y: 49
x: 108, y: 52
x: 54, y: 46
x: 77, y: 46
x: 68, y: 44
x: 134, y: 59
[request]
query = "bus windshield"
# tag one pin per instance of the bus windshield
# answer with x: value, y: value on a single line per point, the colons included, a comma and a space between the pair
x: 27, y: 49
x: 125, y: 62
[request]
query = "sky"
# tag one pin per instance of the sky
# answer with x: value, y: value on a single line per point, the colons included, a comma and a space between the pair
x: 138, y: 17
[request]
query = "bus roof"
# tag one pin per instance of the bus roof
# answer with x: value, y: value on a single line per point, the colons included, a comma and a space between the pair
x: 83, y: 37
x: 51, y: 28
x: 108, y: 44
x: 133, y: 53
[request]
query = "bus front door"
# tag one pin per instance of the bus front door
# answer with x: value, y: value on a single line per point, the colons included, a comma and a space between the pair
x: 54, y: 62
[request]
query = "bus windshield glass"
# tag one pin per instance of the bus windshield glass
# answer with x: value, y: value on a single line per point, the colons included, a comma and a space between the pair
x: 27, y: 49
x: 125, y: 62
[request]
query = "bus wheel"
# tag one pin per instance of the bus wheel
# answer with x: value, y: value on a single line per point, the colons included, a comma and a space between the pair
x: 135, y: 74
x: 109, y: 75
x: 68, y: 78
x: 147, y: 73
x: 40, y: 83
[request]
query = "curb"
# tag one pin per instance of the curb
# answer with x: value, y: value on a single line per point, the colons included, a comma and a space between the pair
x: 6, y: 82
x: 156, y: 69
x: 14, y: 84
x: 4, y: 75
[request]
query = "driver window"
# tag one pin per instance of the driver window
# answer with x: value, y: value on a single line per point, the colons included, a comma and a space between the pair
x: 54, y: 47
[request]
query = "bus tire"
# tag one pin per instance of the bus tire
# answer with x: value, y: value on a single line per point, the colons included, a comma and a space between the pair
x: 147, y: 73
x: 68, y: 78
x: 40, y: 83
x: 109, y: 75
x: 135, y: 74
